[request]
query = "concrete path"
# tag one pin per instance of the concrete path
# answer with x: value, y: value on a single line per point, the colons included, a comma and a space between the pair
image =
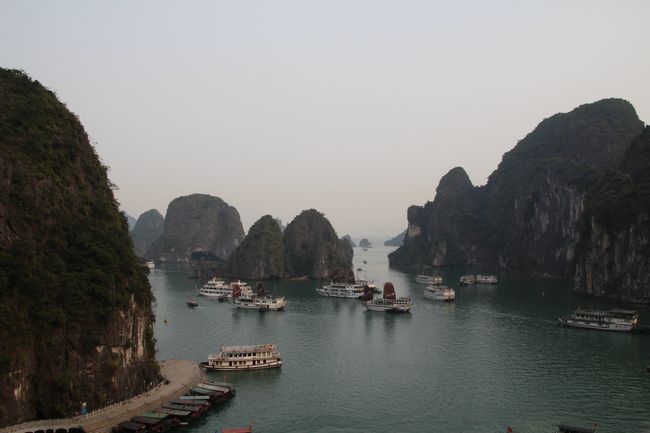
x: 182, y: 375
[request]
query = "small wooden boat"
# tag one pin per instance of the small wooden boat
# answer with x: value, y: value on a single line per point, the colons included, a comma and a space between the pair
x: 192, y: 303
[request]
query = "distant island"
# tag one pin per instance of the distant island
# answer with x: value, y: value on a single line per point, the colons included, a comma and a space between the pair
x: 572, y: 199
x: 397, y: 241
x: 365, y: 243
x: 309, y: 247
x: 200, y: 225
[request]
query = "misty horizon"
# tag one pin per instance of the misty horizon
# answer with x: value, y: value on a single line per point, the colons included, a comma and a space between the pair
x: 353, y: 109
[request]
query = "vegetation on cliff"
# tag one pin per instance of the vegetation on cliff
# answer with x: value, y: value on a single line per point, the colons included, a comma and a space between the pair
x: 537, y: 209
x: 309, y: 247
x: 261, y: 254
x: 198, y: 223
x: 75, y: 305
x: 313, y: 248
x: 146, y: 231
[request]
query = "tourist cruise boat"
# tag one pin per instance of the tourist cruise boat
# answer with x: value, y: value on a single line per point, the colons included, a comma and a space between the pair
x: 216, y: 288
x: 363, y: 282
x: 428, y: 279
x: 389, y: 303
x: 255, y: 357
x: 261, y: 302
x: 151, y: 264
x: 439, y: 293
x: 468, y: 280
x: 341, y: 290
x: 612, y: 320
x: 486, y: 279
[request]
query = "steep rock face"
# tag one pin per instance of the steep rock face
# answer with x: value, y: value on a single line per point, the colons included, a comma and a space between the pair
x: 198, y: 223
x: 147, y: 230
x: 261, y: 254
x: 614, y: 253
x: 313, y: 248
x: 535, y: 213
x: 75, y: 305
x: 348, y: 248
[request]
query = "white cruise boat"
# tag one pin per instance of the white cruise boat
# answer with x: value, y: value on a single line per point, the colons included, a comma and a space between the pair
x: 341, y: 290
x: 612, y: 320
x: 151, y: 264
x: 371, y: 284
x: 468, y: 280
x: 216, y: 288
x: 247, y: 300
x: 439, y: 293
x: 486, y: 279
x: 428, y: 279
x: 389, y: 303
x: 255, y: 357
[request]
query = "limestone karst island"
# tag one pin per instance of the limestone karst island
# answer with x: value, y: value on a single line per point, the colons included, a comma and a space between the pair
x: 316, y: 217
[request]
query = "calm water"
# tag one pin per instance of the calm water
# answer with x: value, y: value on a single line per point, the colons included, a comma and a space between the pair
x: 495, y: 357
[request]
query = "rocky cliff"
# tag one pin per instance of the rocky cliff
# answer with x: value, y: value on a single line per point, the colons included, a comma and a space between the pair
x: 313, y: 248
x: 198, y: 223
x: 146, y: 231
x: 261, y: 254
x: 75, y: 305
x: 535, y: 212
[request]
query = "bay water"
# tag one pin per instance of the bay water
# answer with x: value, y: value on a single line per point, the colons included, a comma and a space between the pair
x: 496, y: 357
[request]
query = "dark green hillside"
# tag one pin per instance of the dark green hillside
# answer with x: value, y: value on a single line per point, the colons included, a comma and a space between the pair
x: 313, y: 248
x: 71, y: 288
x: 261, y: 255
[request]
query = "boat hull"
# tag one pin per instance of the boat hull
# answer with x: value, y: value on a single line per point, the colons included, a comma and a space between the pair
x: 613, y: 327
x: 273, y: 364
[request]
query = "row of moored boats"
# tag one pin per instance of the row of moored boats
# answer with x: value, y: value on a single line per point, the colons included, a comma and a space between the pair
x: 241, y: 295
x: 182, y: 410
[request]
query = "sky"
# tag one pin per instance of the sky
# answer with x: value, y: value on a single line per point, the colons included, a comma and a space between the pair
x: 355, y: 108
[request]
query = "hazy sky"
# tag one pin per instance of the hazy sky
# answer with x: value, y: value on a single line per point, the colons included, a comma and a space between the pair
x: 355, y: 108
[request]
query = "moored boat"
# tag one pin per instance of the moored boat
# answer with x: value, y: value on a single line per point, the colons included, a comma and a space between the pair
x: 260, y: 302
x: 215, y: 288
x: 389, y: 302
x: 439, y: 293
x: 254, y: 357
x: 486, y: 279
x: 468, y: 280
x: 428, y: 279
x: 341, y: 290
x: 151, y: 264
x: 192, y: 303
x: 612, y: 320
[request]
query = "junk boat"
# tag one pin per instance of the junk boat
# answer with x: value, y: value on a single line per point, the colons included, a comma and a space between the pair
x: 486, y: 279
x: 389, y: 303
x: 439, y: 293
x: 260, y: 302
x: 215, y: 288
x: 468, y: 280
x: 428, y: 279
x: 341, y: 290
x: 612, y: 320
x: 244, y: 358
